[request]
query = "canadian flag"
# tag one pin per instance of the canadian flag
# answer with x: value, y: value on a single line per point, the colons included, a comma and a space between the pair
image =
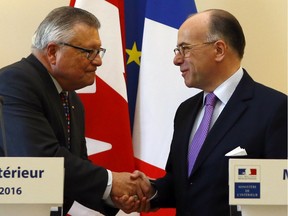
x: 108, y: 131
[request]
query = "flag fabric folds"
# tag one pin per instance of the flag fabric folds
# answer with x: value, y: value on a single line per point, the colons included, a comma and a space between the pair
x: 155, y: 87
x: 160, y: 87
x: 106, y: 106
x: 108, y: 133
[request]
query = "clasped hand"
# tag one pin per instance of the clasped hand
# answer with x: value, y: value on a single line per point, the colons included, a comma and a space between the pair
x: 131, y: 191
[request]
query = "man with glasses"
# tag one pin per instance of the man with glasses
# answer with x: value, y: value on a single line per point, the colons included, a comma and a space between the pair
x: 232, y: 111
x: 45, y: 117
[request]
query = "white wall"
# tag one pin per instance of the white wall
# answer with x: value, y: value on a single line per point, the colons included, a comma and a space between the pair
x: 18, y: 21
x: 264, y: 23
x: 265, y: 26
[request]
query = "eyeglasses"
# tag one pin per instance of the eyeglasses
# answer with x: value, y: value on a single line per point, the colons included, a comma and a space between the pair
x: 90, y: 53
x: 185, y: 49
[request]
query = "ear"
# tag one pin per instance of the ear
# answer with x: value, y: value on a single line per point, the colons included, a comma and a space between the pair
x: 52, y: 49
x: 220, y: 49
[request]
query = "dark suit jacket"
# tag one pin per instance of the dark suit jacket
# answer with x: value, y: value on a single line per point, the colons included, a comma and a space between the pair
x: 255, y: 118
x: 35, y: 126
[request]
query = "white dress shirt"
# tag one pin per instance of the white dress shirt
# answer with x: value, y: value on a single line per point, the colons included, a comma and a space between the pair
x: 223, y: 93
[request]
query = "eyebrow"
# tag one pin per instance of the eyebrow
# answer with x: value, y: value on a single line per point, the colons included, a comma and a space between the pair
x: 183, y: 44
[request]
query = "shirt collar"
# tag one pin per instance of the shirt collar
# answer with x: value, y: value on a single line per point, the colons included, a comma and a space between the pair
x: 226, y: 89
x: 57, y: 85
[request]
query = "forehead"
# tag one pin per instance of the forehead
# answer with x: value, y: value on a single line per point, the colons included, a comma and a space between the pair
x: 194, y: 28
x: 87, y: 35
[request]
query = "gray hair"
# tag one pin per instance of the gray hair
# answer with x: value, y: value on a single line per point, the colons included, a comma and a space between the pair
x: 59, y: 24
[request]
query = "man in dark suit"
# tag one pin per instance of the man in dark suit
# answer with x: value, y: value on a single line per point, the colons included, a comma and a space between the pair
x: 247, y: 114
x: 66, y: 52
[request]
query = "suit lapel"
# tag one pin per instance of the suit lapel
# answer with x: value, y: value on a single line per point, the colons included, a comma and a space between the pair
x: 235, y: 107
x: 52, y: 96
x: 183, y: 127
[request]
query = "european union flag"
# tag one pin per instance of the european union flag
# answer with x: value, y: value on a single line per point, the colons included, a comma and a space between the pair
x: 134, y: 24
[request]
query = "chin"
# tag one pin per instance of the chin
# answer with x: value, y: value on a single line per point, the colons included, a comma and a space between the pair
x: 188, y: 84
x: 83, y: 85
x: 90, y: 81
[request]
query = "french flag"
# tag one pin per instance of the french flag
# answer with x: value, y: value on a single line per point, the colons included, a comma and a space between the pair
x: 160, y: 88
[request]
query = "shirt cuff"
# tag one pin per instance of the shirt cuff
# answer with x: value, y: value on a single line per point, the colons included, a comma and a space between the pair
x: 107, y: 192
x: 154, y: 196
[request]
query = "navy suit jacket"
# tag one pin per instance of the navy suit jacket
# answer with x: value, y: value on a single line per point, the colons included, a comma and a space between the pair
x: 255, y: 118
x: 36, y: 127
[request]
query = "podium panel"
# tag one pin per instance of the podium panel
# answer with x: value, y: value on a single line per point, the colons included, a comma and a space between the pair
x: 261, y: 210
x: 260, y: 187
x: 25, y: 209
x: 30, y: 185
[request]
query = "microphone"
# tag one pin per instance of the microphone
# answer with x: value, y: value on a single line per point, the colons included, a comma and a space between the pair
x: 2, y: 127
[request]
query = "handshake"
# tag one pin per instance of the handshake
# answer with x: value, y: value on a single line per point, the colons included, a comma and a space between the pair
x: 131, y: 192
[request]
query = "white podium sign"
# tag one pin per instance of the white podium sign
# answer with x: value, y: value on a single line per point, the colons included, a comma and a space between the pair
x: 259, y: 186
x: 30, y: 186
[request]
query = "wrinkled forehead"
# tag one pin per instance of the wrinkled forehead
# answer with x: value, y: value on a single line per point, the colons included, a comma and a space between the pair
x: 86, y: 34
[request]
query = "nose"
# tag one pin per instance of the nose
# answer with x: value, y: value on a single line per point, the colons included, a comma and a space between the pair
x: 97, y: 61
x: 178, y: 59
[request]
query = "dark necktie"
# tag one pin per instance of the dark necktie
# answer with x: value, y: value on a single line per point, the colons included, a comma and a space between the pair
x: 201, y: 132
x: 65, y: 103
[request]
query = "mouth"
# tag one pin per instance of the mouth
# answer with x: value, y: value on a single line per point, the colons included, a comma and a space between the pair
x: 92, y: 71
x: 183, y: 72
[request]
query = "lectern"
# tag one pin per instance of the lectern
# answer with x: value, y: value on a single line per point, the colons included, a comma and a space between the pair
x: 259, y: 187
x: 31, y: 185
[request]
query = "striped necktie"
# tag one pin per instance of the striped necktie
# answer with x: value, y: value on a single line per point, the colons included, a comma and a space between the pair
x: 65, y: 103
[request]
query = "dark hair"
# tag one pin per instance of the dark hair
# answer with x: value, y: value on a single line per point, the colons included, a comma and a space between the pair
x: 226, y: 26
x: 59, y: 24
